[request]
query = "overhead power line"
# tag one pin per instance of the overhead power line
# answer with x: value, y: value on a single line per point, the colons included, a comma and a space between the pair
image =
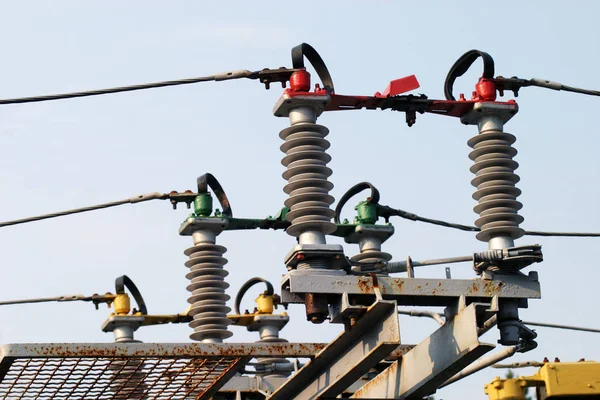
x: 559, y: 86
x: 132, y: 200
x: 164, y: 196
x: 217, y: 77
x: 469, y: 228
x: 557, y: 326
x: 438, y: 318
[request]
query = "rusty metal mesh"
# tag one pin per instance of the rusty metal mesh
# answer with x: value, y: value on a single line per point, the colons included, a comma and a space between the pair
x: 113, y: 378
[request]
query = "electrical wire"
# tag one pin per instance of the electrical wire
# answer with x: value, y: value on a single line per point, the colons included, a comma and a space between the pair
x: 69, y: 297
x: 437, y: 318
x: 132, y: 200
x: 468, y: 228
x: 396, y: 212
x: 581, y: 91
x: 246, y: 286
x: 559, y: 86
x: 567, y: 327
x: 217, y: 77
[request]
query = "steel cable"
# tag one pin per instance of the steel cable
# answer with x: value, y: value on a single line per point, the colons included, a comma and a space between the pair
x: 468, y: 228
x: 218, y: 77
x: 132, y: 200
x: 544, y: 83
x: 397, y: 212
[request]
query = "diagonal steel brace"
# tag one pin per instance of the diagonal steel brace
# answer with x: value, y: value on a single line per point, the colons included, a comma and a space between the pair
x: 374, y: 336
x: 427, y: 366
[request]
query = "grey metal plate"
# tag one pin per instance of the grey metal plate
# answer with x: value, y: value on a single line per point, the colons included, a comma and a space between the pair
x: 413, y: 291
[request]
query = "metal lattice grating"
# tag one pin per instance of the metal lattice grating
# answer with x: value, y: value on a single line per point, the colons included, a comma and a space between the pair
x: 113, y: 378
x: 130, y: 370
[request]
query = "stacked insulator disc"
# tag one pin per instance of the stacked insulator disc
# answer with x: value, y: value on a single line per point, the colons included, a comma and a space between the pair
x: 307, y: 172
x: 208, y: 296
x: 495, y: 181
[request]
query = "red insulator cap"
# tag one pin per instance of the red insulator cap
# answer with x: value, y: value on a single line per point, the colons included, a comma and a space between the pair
x: 300, y: 81
x: 486, y: 90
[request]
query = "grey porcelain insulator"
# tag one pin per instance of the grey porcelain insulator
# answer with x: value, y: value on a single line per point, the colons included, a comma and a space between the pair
x: 495, y: 180
x: 207, y: 287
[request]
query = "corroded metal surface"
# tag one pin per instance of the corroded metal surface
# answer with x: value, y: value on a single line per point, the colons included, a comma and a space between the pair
x: 351, y: 355
x: 79, y: 350
x: 427, y: 366
x: 132, y: 370
x: 414, y: 291
x: 135, y: 370
x: 116, y: 378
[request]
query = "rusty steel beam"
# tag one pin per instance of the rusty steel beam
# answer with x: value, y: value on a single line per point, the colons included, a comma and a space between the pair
x: 423, y: 369
x: 374, y: 336
x: 414, y: 291
x: 87, y: 350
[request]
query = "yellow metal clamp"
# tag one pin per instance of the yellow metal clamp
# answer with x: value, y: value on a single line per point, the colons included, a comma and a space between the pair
x: 265, y: 305
x: 122, y: 304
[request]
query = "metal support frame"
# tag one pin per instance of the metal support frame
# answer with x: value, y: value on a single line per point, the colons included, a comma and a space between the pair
x: 414, y: 291
x: 423, y: 369
x: 348, y: 357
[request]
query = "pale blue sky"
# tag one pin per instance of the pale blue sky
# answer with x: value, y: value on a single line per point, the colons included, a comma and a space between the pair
x: 71, y: 153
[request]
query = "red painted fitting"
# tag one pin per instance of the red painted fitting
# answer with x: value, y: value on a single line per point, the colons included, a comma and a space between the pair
x: 300, y: 81
x: 486, y: 90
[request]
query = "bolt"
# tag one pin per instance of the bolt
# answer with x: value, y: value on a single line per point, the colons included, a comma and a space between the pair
x: 411, y: 118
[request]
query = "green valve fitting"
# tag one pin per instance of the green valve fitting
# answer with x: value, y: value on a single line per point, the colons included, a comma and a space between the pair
x: 203, y: 205
x: 367, y: 212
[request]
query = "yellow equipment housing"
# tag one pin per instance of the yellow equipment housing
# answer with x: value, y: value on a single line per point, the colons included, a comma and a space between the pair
x: 553, y: 381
